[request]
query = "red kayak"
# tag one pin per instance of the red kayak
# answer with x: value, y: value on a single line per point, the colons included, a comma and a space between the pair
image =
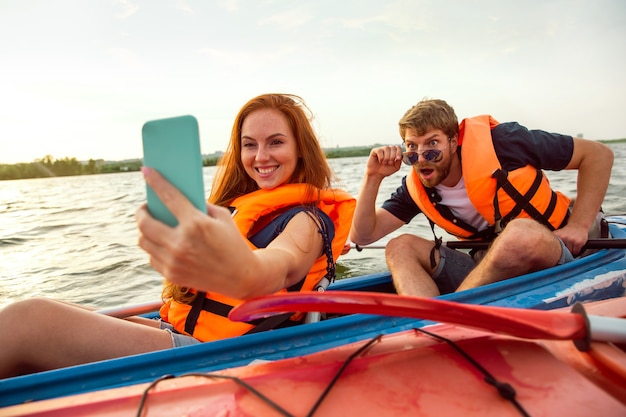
x: 440, y: 370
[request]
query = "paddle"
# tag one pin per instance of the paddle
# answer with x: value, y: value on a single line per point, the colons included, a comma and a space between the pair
x: 132, y: 310
x: 523, y: 323
x: 606, y: 243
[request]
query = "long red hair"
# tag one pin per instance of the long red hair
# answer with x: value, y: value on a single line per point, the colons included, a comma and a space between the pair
x: 232, y: 181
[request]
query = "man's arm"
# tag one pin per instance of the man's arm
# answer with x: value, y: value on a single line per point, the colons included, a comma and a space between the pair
x: 594, y: 161
x: 370, y: 223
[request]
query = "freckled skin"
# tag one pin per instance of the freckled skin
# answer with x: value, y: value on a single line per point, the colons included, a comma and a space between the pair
x: 268, y: 152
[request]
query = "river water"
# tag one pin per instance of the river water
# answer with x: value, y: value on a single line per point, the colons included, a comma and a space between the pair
x: 75, y: 239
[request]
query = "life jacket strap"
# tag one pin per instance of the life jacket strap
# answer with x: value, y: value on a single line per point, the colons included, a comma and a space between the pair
x: 268, y: 323
x: 434, y: 197
x: 522, y: 201
x: 202, y: 303
x: 446, y: 213
x: 438, y: 242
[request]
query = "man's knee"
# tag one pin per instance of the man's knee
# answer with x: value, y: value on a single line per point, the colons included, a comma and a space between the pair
x: 400, y: 242
x: 412, y: 247
x: 529, y: 240
x: 523, y: 233
x: 406, y: 244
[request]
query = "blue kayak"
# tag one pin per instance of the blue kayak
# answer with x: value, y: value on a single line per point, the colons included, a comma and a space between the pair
x: 599, y: 276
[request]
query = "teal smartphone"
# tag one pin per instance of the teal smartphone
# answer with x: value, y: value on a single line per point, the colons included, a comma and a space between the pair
x: 172, y: 147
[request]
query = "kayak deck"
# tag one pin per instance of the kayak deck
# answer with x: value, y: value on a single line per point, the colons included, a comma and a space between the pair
x: 443, y: 372
x: 596, y: 277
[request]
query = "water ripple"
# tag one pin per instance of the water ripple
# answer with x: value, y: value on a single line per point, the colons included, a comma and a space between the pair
x: 75, y: 238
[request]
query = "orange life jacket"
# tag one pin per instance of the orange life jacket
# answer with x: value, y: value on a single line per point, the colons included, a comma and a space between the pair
x: 213, y: 324
x: 523, y: 192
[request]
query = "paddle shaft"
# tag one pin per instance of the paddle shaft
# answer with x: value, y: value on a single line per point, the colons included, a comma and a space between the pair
x: 608, y: 329
x: 524, y: 323
x: 607, y: 243
x: 132, y: 310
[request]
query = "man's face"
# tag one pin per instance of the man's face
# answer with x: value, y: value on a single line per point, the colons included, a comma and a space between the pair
x: 433, y: 145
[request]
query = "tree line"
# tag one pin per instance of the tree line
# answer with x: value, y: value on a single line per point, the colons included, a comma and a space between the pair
x: 51, y: 167
x: 48, y: 166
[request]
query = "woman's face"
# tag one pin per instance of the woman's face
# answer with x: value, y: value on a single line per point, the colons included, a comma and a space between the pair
x: 268, y: 148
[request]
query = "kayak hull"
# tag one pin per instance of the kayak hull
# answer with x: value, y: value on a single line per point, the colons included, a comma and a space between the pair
x: 406, y: 373
x: 596, y: 277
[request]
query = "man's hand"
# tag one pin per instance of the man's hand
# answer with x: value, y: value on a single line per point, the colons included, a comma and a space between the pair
x: 384, y: 161
x: 574, y: 237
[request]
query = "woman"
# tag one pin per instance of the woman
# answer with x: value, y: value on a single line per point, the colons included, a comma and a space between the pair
x: 276, y: 181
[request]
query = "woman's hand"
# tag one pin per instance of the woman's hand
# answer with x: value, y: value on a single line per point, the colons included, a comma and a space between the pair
x: 204, y: 252
x: 208, y: 253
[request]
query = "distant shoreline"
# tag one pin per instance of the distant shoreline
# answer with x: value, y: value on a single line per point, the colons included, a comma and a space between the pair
x: 50, y: 167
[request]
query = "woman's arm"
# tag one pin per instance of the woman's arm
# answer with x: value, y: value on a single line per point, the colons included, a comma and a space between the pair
x: 207, y: 252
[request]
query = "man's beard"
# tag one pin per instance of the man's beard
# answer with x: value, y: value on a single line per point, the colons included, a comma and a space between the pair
x: 440, y: 172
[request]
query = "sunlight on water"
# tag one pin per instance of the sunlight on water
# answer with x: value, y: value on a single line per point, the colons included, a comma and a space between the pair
x: 75, y: 239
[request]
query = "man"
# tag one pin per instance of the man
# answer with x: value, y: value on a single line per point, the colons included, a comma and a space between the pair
x: 457, y: 170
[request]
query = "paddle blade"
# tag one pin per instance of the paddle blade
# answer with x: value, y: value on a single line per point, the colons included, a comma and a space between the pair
x: 529, y: 324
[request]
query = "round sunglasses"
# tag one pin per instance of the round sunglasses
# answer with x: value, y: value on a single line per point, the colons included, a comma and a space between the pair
x: 431, y: 155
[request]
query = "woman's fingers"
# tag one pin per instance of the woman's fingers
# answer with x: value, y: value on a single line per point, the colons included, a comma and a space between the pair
x: 218, y: 212
x: 173, y: 199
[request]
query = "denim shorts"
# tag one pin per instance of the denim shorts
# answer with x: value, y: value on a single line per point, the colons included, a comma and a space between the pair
x: 455, y: 265
x: 178, y: 340
x: 566, y: 255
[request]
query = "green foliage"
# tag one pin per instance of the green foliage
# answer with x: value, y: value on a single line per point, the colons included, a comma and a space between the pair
x: 348, y: 152
x: 610, y: 141
x: 122, y: 166
x: 50, y: 167
x: 45, y: 167
x: 211, y: 161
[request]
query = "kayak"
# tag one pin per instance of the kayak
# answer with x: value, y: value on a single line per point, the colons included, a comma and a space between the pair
x: 438, y: 370
x: 599, y: 276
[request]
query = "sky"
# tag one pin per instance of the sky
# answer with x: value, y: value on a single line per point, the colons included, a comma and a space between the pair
x: 79, y: 78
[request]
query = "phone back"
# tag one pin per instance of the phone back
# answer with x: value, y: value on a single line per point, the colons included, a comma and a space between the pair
x: 172, y: 147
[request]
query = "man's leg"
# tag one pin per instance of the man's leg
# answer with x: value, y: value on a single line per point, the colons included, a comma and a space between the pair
x: 408, y: 259
x: 524, y: 246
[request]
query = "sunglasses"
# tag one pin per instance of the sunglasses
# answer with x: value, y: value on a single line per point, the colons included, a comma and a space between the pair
x: 431, y: 155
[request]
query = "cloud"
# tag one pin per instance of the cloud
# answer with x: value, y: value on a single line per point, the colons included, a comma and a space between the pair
x: 229, y: 5
x: 185, y: 7
x: 124, y: 56
x: 550, y: 65
x: 126, y: 8
x: 287, y: 20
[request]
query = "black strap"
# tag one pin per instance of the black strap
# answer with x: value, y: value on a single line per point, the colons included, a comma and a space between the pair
x: 604, y: 228
x: 201, y: 303
x: 327, y: 249
x: 434, y: 197
x: 522, y: 201
x: 216, y: 307
x: 438, y: 242
x: 196, y: 308
x: 446, y: 213
x: 269, y: 323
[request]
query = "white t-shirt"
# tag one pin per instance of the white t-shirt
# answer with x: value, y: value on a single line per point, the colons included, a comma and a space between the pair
x: 456, y: 199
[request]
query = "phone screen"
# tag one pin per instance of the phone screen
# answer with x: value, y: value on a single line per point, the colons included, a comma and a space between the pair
x: 172, y: 147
